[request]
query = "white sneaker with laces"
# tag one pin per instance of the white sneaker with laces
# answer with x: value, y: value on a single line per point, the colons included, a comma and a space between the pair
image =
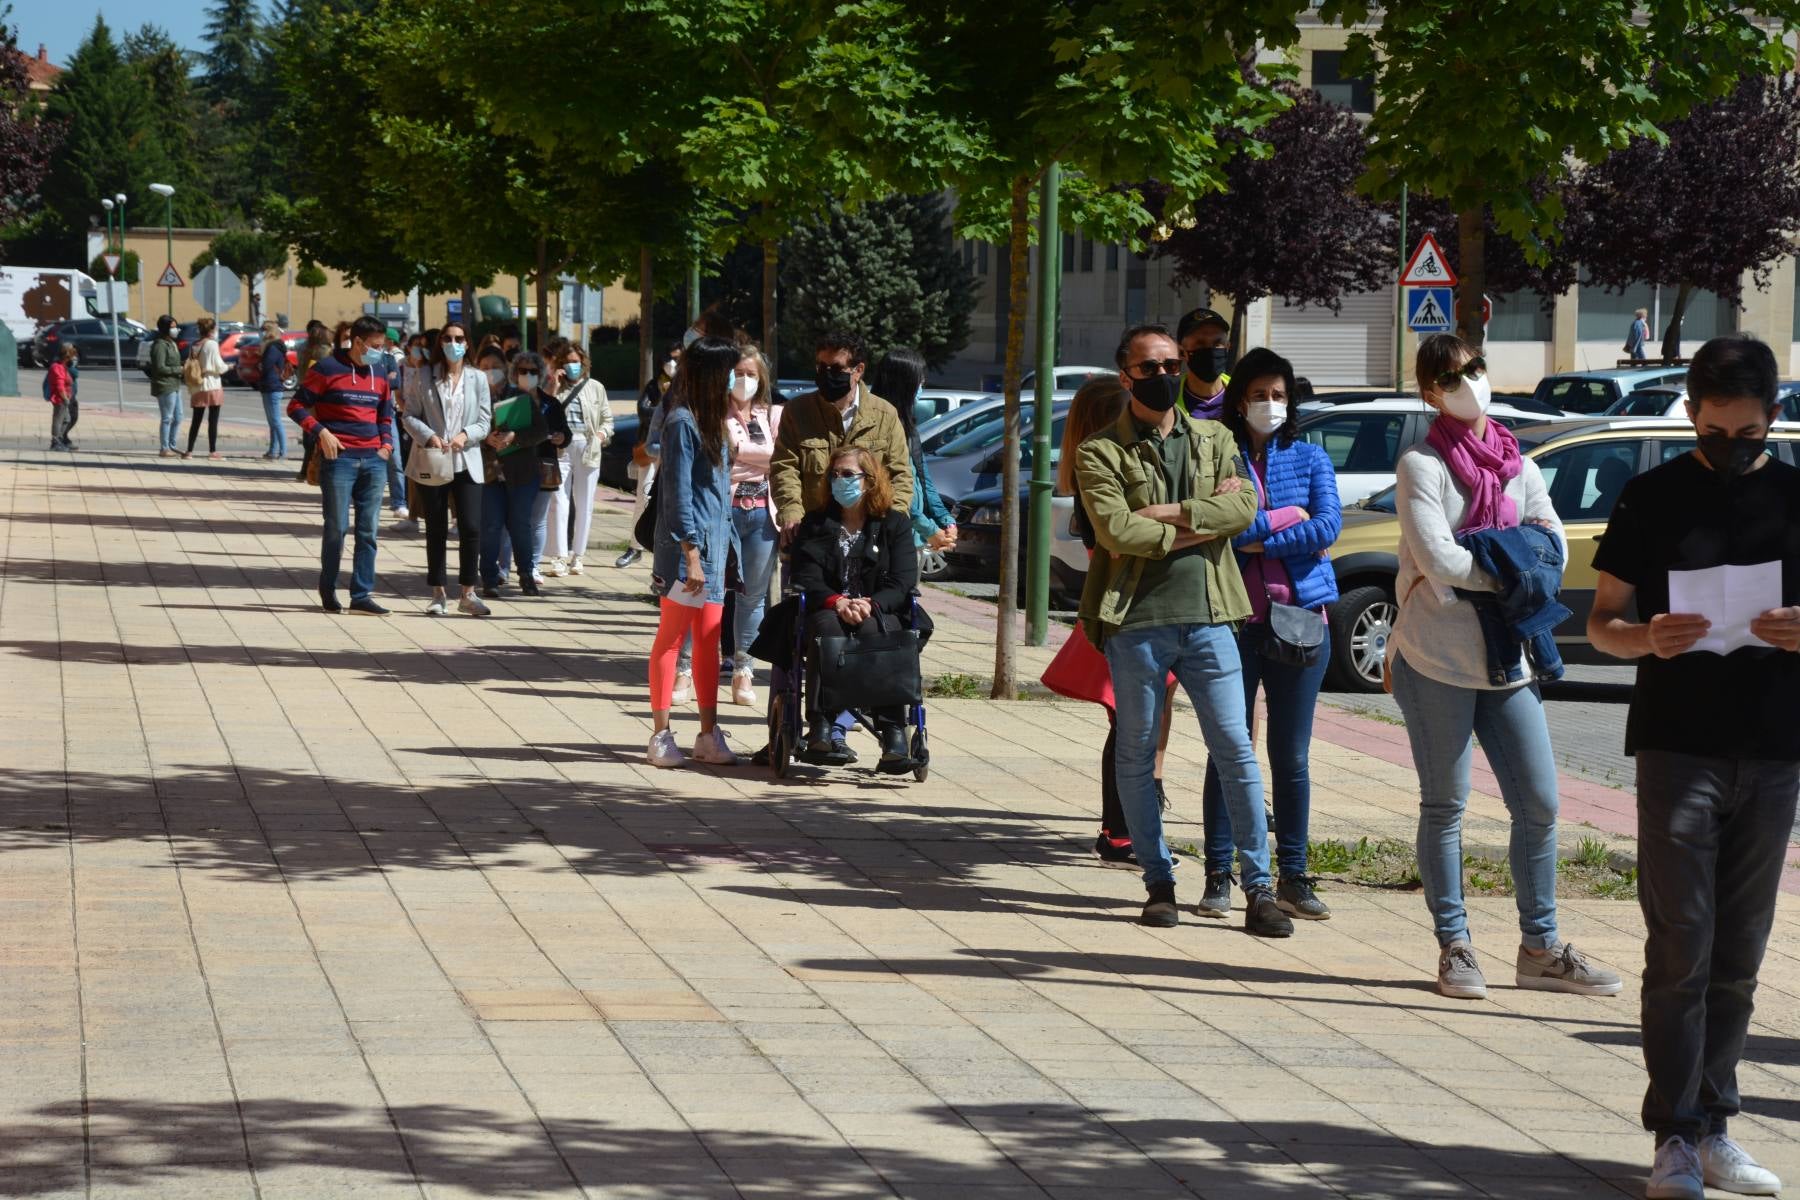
x: 1676, y: 1173
x: 684, y: 689
x: 575, y: 566
x: 663, y: 751
x: 473, y: 606
x: 1728, y: 1166
x: 537, y: 577
x: 712, y: 747
x: 438, y: 607
x: 556, y: 568
x: 743, y: 688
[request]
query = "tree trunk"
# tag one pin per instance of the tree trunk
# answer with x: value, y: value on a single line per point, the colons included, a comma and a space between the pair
x: 1471, y: 242
x: 771, y: 327
x: 1671, y: 343
x: 646, y: 317
x: 1006, y: 685
x: 543, y: 297
x: 312, y: 309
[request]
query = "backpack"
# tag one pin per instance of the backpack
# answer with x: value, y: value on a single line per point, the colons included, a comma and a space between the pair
x: 191, y: 372
x: 47, y: 395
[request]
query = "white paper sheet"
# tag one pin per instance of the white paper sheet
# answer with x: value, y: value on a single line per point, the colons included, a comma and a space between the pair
x: 1729, y: 597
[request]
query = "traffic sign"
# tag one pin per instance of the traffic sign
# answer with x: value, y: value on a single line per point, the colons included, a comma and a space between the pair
x: 170, y: 277
x: 1430, y: 310
x: 112, y: 263
x: 1428, y: 267
x: 217, y: 289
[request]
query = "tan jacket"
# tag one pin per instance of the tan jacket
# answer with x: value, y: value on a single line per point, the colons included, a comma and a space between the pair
x: 812, y: 431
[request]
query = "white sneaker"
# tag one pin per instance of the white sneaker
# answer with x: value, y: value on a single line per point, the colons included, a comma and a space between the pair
x: 1728, y: 1166
x: 556, y: 568
x: 438, y: 607
x: 684, y: 689
x: 663, y: 751
x: 743, y: 688
x: 473, y: 606
x: 537, y: 577
x: 575, y: 566
x: 400, y: 514
x: 1676, y: 1173
x: 714, y: 748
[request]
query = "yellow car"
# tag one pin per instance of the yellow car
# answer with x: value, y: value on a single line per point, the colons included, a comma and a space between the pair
x: 1585, y: 467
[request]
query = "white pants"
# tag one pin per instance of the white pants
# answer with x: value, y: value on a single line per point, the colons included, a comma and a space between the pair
x: 578, y: 482
x: 645, y: 476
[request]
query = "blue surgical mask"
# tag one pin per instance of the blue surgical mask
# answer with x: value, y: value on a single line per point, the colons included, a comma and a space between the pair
x: 454, y: 351
x: 731, y: 383
x: 846, y: 491
x: 528, y: 382
x: 572, y: 370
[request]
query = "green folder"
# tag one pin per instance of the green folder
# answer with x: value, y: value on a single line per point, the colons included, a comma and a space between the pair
x: 513, y: 414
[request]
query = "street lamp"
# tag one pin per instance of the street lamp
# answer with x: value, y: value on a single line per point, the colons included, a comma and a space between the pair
x: 112, y: 298
x: 120, y: 200
x: 168, y: 194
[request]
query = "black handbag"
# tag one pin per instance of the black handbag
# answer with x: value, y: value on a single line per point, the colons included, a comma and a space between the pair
x: 874, y: 667
x: 1296, y: 635
x: 644, y: 532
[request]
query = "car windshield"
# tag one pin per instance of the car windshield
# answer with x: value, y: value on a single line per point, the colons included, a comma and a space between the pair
x: 1646, y: 402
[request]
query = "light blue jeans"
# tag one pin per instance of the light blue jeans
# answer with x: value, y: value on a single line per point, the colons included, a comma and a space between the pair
x: 758, y: 545
x: 168, y: 425
x: 273, y: 405
x: 347, y: 484
x: 1204, y: 659
x: 1441, y: 722
x: 396, y: 470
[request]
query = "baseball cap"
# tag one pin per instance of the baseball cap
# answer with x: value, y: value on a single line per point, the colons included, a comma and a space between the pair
x: 1197, y: 318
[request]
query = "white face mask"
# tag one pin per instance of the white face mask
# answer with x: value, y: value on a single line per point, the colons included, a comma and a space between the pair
x: 745, y: 389
x: 669, y: 368
x: 1266, y: 416
x: 496, y: 377
x: 1469, y: 399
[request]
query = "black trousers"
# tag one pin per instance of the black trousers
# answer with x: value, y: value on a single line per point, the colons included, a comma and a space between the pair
x: 465, y: 493
x: 1712, y: 841
x: 211, y: 417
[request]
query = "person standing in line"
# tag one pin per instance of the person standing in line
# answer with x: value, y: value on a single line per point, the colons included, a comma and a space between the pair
x: 1285, y: 560
x: 384, y: 363
x: 272, y: 376
x: 693, y: 536
x: 901, y: 374
x: 513, y: 480
x: 416, y: 373
x: 1718, y: 754
x: 316, y: 350
x: 643, y: 467
x: 754, y: 424
x: 1638, y: 335
x: 205, y: 377
x: 549, y: 456
x: 1165, y: 498
x: 344, y: 403
x: 1205, y: 339
x: 1468, y: 476
x: 589, y: 416
x: 165, y: 385
x: 61, y: 385
x: 452, y: 416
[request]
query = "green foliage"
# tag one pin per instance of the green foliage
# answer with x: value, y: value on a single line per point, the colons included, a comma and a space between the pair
x: 311, y: 275
x: 956, y: 687
x: 173, y: 119
x: 248, y: 252
x: 26, y: 140
x: 886, y: 270
x: 129, y: 267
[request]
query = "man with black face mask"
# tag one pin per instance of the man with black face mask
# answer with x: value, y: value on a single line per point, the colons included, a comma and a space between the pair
x: 842, y: 412
x: 1163, y: 595
x: 1205, y: 339
x: 1718, y: 754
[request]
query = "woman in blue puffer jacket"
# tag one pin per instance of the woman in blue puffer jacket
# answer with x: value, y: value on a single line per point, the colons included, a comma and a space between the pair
x: 1285, y: 558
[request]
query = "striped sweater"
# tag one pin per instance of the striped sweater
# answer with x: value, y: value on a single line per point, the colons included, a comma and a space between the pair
x: 353, y: 402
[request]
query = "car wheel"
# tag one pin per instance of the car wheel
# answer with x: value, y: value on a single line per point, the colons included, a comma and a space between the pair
x: 933, y: 565
x: 1361, y: 622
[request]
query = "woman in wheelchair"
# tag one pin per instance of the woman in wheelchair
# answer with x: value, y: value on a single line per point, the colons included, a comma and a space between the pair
x: 854, y: 562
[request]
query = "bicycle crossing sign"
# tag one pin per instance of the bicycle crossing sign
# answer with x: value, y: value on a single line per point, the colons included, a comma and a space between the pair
x: 1428, y: 267
x: 1430, y: 309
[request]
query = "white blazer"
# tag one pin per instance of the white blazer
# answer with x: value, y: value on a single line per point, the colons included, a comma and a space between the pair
x: 473, y: 416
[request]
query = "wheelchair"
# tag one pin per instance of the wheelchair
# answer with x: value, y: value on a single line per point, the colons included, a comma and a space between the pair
x: 787, y: 714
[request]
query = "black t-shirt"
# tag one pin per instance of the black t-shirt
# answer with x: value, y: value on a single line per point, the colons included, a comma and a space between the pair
x: 1681, y: 516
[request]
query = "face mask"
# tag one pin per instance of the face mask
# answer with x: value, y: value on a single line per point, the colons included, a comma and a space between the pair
x: 745, y: 388
x: 528, y: 382
x: 1266, y: 416
x: 1208, y: 362
x: 689, y: 338
x: 572, y: 371
x: 669, y: 369
x: 496, y: 377
x: 1469, y: 399
x: 731, y: 381
x: 371, y: 356
x: 834, y: 383
x: 344, y: 345
x: 1157, y: 393
x: 846, y: 491
x: 453, y: 351
x: 1731, y: 456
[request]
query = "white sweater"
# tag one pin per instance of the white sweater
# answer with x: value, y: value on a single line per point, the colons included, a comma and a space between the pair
x: 1437, y: 631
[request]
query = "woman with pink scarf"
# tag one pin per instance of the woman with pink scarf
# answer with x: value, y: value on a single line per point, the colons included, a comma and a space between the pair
x: 1469, y: 476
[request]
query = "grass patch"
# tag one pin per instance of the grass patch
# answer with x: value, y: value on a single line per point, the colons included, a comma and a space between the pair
x: 1590, y: 852
x: 1393, y: 864
x: 957, y: 687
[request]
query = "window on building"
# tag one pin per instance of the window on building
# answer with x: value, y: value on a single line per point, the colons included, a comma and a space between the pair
x: 1068, y: 252
x: 1356, y: 93
x: 968, y: 255
x: 1606, y: 316
x: 1087, y: 255
x: 981, y: 258
x: 1518, y: 317
x: 1112, y: 264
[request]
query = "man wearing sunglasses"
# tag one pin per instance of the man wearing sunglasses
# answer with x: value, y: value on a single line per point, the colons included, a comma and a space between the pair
x: 1163, y: 595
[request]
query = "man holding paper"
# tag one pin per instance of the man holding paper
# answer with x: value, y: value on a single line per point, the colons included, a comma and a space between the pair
x: 1708, y: 545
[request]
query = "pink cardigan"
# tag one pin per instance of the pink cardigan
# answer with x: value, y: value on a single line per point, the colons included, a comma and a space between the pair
x: 750, y: 460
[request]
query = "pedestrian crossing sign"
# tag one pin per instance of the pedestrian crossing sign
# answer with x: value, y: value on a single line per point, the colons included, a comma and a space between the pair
x: 1430, y: 309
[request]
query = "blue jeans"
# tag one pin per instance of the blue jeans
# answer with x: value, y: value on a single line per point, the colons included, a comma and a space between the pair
x: 345, y: 481
x: 1293, y: 694
x: 506, y: 514
x: 1204, y: 659
x: 758, y: 544
x: 396, y: 470
x: 274, y: 404
x: 168, y: 423
x: 1441, y: 722
x: 540, y: 528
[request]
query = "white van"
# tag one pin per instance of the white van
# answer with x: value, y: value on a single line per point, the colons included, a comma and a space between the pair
x: 32, y: 297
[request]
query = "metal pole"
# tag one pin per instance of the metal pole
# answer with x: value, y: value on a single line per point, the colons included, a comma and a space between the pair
x: 693, y: 290
x: 169, y: 245
x: 524, y: 325
x: 1400, y: 300
x: 112, y: 309
x: 1037, y: 575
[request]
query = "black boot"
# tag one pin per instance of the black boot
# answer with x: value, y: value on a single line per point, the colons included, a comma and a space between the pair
x: 1159, y: 909
x: 896, y: 756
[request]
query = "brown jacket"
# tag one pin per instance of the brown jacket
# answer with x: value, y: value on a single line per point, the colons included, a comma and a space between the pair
x: 812, y: 431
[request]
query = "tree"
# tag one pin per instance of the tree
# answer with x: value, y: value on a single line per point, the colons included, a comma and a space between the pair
x: 886, y: 270
x: 1482, y: 105
x: 173, y: 120
x: 311, y: 277
x: 1718, y: 196
x: 1292, y: 223
x: 250, y: 255
x: 129, y: 267
x: 27, y: 139
x: 233, y: 55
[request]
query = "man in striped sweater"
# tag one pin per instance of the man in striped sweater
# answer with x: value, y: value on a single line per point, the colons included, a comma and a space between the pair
x: 345, y: 403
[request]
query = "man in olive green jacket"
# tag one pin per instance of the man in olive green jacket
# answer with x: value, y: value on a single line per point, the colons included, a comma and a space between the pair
x: 841, y: 413
x: 165, y: 384
x: 1164, y: 595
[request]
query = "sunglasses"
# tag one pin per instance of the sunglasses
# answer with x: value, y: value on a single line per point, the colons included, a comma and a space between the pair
x: 1475, y: 368
x: 450, y: 339
x: 1152, y: 367
x: 849, y: 474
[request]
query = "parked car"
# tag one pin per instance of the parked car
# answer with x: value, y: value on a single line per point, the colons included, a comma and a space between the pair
x: 1585, y: 467
x: 1672, y: 402
x: 1591, y: 393
x: 615, y: 460
x: 935, y: 402
x: 977, y: 459
x: 92, y: 336
x: 245, y: 367
x: 1068, y: 379
x: 188, y: 332
x: 939, y: 432
x: 977, y: 553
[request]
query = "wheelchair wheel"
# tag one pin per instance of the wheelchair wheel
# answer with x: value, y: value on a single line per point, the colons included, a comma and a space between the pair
x: 921, y: 754
x: 780, y: 749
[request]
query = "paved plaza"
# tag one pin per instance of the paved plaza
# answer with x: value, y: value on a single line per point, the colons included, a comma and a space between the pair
x: 294, y: 906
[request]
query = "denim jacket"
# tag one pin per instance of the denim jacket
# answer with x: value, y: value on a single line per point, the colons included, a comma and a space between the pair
x: 1528, y: 562
x: 693, y: 505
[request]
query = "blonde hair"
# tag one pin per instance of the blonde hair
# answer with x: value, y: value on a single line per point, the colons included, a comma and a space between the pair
x: 765, y: 387
x: 1096, y: 406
